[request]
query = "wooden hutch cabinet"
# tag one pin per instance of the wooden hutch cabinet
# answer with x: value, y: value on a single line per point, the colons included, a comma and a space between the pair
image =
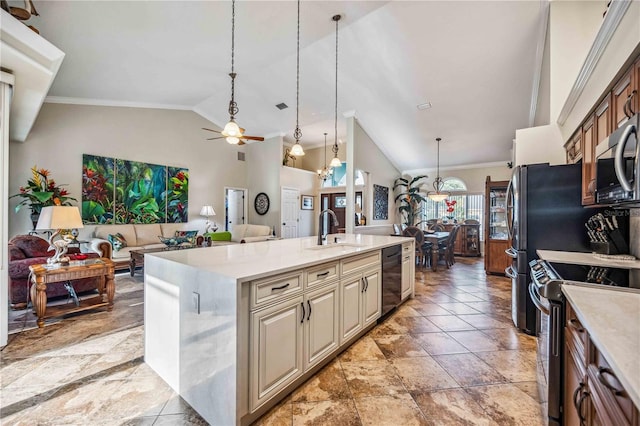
x: 496, y: 239
x: 468, y: 239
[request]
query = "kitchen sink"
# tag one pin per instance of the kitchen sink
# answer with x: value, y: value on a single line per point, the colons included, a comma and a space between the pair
x: 338, y: 245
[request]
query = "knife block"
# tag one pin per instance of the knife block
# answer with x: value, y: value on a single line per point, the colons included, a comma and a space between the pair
x: 615, y: 244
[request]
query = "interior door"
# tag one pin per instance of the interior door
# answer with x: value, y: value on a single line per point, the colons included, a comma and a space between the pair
x: 234, y: 207
x: 290, y: 199
x: 338, y: 203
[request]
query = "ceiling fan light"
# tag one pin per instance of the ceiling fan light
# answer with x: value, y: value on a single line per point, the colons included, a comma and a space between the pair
x: 335, y: 162
x: 233, y: 140
x: 296, y: 149
x: 231, y: 129
x: 437, y: 197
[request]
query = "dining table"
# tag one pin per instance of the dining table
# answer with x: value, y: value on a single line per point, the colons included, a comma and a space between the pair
x: 435, y: 238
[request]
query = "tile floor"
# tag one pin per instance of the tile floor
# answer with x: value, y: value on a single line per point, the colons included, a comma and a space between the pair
x: 450, y: 356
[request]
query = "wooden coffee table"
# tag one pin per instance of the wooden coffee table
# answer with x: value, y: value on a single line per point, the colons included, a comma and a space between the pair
x: 137, y: 256
x: 41, y: 275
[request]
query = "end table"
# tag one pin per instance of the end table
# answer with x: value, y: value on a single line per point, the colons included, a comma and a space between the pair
x: 41, y: 275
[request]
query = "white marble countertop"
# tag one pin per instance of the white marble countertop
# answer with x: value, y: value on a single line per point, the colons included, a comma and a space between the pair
x: 255, y: 260
x: 612, y: 319
x: 588, y: 259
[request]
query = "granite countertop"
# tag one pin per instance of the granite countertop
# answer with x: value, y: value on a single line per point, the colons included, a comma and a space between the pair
x: 256, y: 260
x: 588, y: 259
x: 612, y: 319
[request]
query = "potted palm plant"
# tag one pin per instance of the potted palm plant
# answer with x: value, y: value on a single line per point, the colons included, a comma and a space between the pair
x: 410, y: 198
x: 41, y: 191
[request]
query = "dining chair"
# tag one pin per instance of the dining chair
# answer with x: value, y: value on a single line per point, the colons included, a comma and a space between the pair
x: 423, y: 248
x: 471, y: 222
x: 445, y: 252
x: 438, y: 227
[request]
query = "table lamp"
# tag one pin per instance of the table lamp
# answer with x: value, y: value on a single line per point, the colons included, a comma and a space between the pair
x: 208, y: 211
x: 58, y: 218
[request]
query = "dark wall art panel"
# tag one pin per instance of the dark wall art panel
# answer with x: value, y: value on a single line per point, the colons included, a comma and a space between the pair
x: 380, y: 202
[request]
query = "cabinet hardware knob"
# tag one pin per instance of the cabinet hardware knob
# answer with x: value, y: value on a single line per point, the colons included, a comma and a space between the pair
x: 573, y: 324
x: 280, y: 287
x: 309, y: 314
x: 600, y: 375
x: 303, y: 312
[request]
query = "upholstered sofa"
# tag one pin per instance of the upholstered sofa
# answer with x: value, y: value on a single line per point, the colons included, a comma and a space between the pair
x: 137, y: 237
x: 248, y: 233
x: 27, y: 250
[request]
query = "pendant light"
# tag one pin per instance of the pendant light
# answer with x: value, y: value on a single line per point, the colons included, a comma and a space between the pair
x: 231, y: 131
x: 335, y: 162
x: 296, y: 149
x: 438, y: 183
x: 325, y: 172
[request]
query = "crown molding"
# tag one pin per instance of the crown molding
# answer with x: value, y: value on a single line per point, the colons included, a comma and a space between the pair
x: 114, y: 103
x: 543, y: 26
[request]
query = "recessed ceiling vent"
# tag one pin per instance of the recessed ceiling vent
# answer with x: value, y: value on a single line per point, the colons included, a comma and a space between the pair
x: 240, y: 156
x: 282, y: 106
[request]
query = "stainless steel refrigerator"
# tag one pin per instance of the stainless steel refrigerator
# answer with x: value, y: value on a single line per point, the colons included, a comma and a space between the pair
x: 544, y: 211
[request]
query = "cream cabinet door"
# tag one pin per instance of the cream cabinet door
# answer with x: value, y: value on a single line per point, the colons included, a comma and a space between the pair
x: 407, y: 277
x: 350, y: 307
x: 321, y: 324
x: 372, y: 303
x: 276, y: 350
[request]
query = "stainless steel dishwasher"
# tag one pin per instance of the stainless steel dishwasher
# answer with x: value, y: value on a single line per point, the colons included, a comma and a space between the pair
x: 391, y: 278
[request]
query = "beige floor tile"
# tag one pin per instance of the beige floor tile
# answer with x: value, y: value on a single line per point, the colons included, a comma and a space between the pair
x: 280, y: 415
x: 483, y: 321
x: 339, y: 413
x: 458, y: 308
x: 475, y: 340
x: 364, y: 349
x: 450, y: 323
x: 399, y: 346
x: 392, y: 410
x: 405, y: 310
x: 371, y: 378
x: 516, y: 366
x: 417, y: 324
x: 469, y: 370
x: 506, y: 404
x: 451, y: 407
x: 510, y: 338
x: 428, y: 309
x: 423, y: 374
x: 439, y: 343
x: 328, y: 384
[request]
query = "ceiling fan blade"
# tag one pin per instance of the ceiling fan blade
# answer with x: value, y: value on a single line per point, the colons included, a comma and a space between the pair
x: 253, y: 138
x: 211, y: 130
x: 241, y: 143
x: 213, y: 139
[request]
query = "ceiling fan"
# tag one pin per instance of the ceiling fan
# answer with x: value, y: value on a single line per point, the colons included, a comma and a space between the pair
x: 241, y: 136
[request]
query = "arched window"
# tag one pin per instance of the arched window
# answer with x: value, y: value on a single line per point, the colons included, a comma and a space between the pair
x: 454, y: 184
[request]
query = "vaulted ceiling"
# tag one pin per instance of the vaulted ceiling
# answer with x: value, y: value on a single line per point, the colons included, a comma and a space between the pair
x: 474, y: 61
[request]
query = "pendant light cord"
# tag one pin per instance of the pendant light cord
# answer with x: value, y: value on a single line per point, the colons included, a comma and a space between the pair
x: 233, y: 107
x: 336, y: 18
x: 297, y: 134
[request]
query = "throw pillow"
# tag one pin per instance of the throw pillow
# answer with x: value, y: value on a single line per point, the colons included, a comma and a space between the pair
x: 117, y: 241
x: 171, y: 241
x: 187, y: 236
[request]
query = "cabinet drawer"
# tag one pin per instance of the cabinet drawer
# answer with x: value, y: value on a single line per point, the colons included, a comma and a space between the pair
x: 576, y: 333
x: 275, y: 288
x: 321, y: 274
x: 406, y: 248
x: 610, y: 399
x: 357, y: 263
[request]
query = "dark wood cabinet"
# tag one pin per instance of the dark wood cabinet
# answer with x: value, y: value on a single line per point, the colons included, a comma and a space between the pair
x: 467, y: 241
x: 574, y: 147
x: 592, y: 393
x: 496, y: 239
x: 621, y: 93
x: 588, y: 162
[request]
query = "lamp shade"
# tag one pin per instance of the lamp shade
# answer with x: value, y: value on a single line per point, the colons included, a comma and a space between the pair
x: 60, y: 217
x: 358, y: 208
x: 437, y: 197
x: 207, y: 211
x: 335, y: 162
x: 231, y: 129
x: 296, y: 149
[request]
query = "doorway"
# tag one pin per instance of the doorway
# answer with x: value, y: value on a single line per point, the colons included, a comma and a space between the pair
x: 235, y: 206
x: 289, y: 207
x: 338, y: 203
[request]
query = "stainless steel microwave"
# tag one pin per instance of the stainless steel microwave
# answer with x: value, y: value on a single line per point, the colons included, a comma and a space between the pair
x: 617, y: 167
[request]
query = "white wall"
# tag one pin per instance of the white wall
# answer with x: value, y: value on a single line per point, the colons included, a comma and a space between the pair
x: 473, y: 177
x: 263, y: 175
x: 542, y: 144
x: 62, y: 133
x: 307, y: 183
x: 573, y: 26
x: 369, y: 158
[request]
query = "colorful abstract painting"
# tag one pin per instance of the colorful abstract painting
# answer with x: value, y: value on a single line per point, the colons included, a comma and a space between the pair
x: 122, y: 191
x: 97, y: 189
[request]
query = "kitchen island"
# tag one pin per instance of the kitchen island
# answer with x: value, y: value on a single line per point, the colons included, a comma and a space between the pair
x: 235, y: 328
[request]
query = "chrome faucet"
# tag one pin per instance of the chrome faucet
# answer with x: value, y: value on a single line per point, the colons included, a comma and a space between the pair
x: 321, y: 232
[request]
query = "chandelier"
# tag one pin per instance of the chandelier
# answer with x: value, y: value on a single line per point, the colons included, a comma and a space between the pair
x: 296, y: 149
x: 335, y: 162
x: 325, y: 172
x: 438, y: 195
